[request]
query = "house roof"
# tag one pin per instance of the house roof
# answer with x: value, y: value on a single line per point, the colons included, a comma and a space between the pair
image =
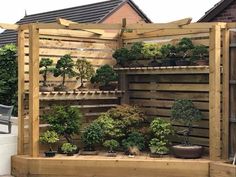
x: 90, y: 13
x: 214, y: 11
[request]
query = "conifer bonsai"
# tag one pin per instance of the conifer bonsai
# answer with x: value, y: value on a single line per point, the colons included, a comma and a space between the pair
x: 64, y: 67
x: 45, y: 68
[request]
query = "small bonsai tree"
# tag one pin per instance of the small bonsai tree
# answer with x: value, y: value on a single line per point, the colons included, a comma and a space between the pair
x: 183, y: 111
x: 199, y: 52
x: 104, y: 76
x: 92, y: 136
x: 136, y: 53
x: 184, y: 47
x: 85, y: 70
x: 152, y: 51
x: 46, y: 66
x: 64, y: 120
x: 161, y: 130
x: 134, y: 139
x: 49, y: 137
x: 68, y: 148
x: 64, y: 67
x: 167, y: 52
x: 122, y: 56
x: 111, y: 145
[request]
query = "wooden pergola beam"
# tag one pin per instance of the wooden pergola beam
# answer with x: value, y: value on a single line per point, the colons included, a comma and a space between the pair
x: 9, y: 26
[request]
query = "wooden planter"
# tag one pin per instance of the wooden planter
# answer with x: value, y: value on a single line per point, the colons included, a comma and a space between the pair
x: 222, y: 169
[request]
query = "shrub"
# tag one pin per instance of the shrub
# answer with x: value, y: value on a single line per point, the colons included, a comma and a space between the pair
x: 134, y: 139
x: 111, y: 145
x: 64, y: 120
x: 8, y: 76
x: 92, y: 136
x: 151, y: 51
x: 104, y: 76
x: 49, y: 137
x: 122, y: 56
x: 183, y: 111
x: 68, y: 147
x: 136, y: 51
x: 46, y: 66
x: 64, y: 67
x: 84, y: 70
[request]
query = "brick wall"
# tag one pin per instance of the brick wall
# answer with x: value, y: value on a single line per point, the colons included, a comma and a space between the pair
x: 227, y: 15
x: 125, y: 11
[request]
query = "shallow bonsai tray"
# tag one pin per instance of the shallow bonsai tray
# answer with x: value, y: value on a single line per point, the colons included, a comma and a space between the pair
x: 82, y: 152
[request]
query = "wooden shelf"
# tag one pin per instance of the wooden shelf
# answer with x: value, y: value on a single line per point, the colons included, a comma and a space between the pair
x: 165, y: 70
x: 78, y: 95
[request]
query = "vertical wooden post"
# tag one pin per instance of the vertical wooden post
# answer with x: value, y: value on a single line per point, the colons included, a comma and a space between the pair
x: 124, y: 86
x: 225, y: 92
x: 214, y: 94
x: 21, y: 80
x: 34, y: 90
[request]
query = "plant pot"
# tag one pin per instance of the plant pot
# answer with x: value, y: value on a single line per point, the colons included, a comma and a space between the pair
x: 70, y: 153
x: 111, y: 154
x: 46, y: 89
x: 154, y: 63
x: 85, y: 152
x: 50, y: 153
x: 202, y: 62
x: 168, y: 62
x: 157, y: 155
x: 61, y: 88
x: 107, y: 87
x: 187, y: 152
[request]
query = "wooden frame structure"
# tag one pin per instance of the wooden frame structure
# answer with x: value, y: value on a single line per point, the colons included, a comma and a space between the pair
x: 218, y: 33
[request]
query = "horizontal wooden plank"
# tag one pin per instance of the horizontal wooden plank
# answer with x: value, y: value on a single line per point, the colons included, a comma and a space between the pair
x: 169, y: 87
x: 222, y: 169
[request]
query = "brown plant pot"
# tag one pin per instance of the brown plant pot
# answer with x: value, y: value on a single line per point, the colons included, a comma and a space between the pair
x: 107, y: 87
x: 187, y: 152
x: 46, y: 89
x: 202, y: 62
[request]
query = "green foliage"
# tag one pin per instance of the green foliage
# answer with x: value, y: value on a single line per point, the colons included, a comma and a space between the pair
x: 122, y: 56
x: 49, y: 137
x: 64, y: 67
x: 136, y: 51
x: 46, y: 66
x: 104, y: 76
x: 92, y: 135
x: 184, y: 47
x: 183, y: 111
x: 167, y: 50
x: 161, y: 131
x: 199, y: 52
x: 111, y: 145
x: 158, y: 147
x: 64, y: 120
x: 85, y: 70
x: 134, y: 139
x: 8, y: 76
x: 151, y: 51
x: 68, y: 147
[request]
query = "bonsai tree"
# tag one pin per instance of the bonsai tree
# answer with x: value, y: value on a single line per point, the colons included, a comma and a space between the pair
x: 49, y: 137
x: 161, y: 130
x: 111, y: 145
x: 68, y: 148
x: 92, y: 136
x: 122, y: 56
x: 104, y: 76
x: 152, y: 51
x: 64, y: 120
x: 46, y: 66
x: 84, y: 70
x: 167, y: 52
x: 184, y: 49
x: 183, y: 111
x: 136, y: 53
x: 200, y: 52
x: 134, y: 140
x: 64, y: 67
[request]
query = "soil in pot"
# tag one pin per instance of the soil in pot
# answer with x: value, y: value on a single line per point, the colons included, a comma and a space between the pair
x: 187, y: 152
x: 61, y: 88
x: 107, y: 87
x: 202, y: 62
x: 46, y: 89
x: 50, y: 153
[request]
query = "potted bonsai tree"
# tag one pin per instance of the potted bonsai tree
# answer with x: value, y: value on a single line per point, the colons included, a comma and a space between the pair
x: 161, y: 130
x: 111, y: 145
x: 64, y: 120
x: 199, y: 55
x: 104, y: 76
x: 122, y: 56
x: 184, y: 49
x: 136, y: 54
x: 167, y: 52
x: 64, y: 67
x: 49, y: 137
x: 152, y: 51
x: 45, y: 67
x: 84, y: 71
x: 134, y: 143
x: 68, y: 149
x: 92, y: 136
x: 183, y: 111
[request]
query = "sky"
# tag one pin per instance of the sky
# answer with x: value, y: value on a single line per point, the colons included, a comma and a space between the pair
x: 159, y: 11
